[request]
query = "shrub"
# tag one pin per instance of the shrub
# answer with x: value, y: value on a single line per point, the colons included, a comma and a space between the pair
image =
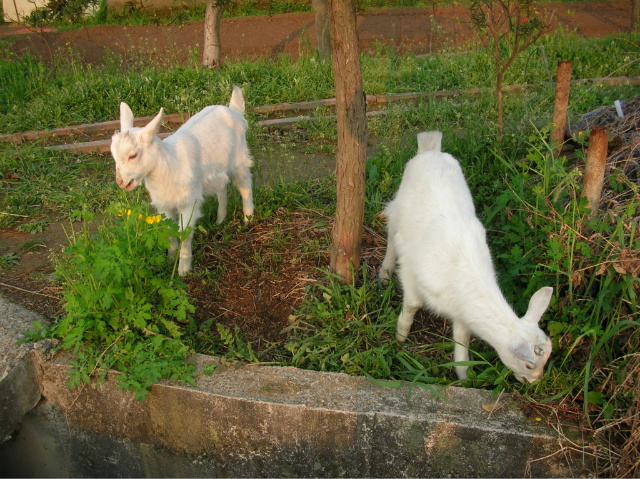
x: 125, y: 308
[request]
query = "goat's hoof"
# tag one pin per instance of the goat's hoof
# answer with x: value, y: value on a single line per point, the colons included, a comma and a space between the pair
x: 401, y: 338
x: 384, y: 277
x: 183, y: 271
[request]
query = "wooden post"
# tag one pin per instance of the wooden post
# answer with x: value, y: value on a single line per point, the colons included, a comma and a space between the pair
x: 560, y: 106
x: 352, y: 139
x: 594, y: 170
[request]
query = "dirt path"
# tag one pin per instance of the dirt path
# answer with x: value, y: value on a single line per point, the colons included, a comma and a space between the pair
x: 418, y: 30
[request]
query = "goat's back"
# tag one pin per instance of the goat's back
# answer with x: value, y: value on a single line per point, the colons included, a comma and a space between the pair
x: 433, y: 225
x: 214, y: 136
x: 433, y: 187
x: 211, y: 120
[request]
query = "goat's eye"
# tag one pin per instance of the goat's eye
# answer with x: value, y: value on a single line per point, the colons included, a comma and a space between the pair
x: 133, y: 156
x: 529, y: 366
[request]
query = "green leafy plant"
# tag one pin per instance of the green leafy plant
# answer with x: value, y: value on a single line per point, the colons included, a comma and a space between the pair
x: 34, y: 227
x: 125, y: 308
x: 224, y: 342
x: 9, y: 260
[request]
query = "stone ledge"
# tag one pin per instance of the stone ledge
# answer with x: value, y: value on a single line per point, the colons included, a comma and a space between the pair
x: 266, y: 421
x: 262, y: 421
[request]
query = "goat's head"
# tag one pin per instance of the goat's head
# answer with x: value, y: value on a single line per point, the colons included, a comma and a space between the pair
x: 130, y: 149
x: 527, y: 354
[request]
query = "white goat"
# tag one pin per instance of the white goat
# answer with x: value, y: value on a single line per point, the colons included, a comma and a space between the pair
x: 193, y: 163
x: 445, y: 264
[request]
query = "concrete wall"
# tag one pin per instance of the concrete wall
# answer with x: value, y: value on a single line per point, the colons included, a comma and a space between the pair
x: 17, y: 10
x: 263, y: 421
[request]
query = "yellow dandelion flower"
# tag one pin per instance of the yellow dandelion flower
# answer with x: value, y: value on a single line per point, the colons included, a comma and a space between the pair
x: 538, y: 419
x: 150, y: 219
x: 140, y: 217
x: 579, y: 133
x: 128, y: 212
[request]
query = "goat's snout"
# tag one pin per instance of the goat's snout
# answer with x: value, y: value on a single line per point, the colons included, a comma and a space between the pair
x: 122, y: 184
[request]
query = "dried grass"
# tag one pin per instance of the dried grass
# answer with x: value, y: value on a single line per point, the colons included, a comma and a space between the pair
x: 624, y: 134
x: 616, y: 439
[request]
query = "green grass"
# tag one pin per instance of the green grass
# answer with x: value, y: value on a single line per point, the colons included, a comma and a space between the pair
x: 53, y: 184
x: 72, y: 93
x: 538, y: 228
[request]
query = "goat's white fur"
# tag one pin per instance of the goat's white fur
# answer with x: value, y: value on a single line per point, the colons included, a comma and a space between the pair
x: 444, y: 264
x: 195, y: 162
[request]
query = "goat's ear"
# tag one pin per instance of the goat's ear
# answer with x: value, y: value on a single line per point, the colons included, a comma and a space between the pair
x: 126, y: 117
x: 538, y: 304
x: 521, y: 351
x: 149, y: 131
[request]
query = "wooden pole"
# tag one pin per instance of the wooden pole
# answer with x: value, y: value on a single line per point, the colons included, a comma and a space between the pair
x: 352, y: 140
x: 594, y: 170
x: 560, y: 106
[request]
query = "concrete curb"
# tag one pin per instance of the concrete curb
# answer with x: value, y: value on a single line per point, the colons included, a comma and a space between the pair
x: 265, y: 421
x: 20, y: 373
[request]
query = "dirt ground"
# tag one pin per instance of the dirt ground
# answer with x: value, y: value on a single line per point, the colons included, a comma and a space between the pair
x: 417, y: 30
x: 257, y: 292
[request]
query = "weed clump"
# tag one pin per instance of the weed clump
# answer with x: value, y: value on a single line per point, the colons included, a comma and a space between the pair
x: 124, y: 308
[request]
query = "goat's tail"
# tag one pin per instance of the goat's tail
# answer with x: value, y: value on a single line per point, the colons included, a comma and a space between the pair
x: 429, y: 141
x: 237, y: 100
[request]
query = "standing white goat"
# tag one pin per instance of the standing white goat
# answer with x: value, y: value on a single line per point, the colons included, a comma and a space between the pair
x: 193, y: 163
x: 445, y: 264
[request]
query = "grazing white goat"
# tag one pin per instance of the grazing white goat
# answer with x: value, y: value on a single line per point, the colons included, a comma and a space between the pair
x: 444, y: 264
x: 195, y: 162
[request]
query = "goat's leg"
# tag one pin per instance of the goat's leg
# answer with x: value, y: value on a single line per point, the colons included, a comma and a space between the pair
x: 174, y: 244
x: 242, y: 181
x: 410, y: 305
x: 461, y: 336
x: 389, y: 262
x: 186, y: 256
x: 173, y: 248
x: 187, y: 218
x: 222, y: 204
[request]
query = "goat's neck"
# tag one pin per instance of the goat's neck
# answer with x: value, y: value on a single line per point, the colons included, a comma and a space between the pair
x: 488, y: 315
x: 169, y: 183
x: 166, y: 169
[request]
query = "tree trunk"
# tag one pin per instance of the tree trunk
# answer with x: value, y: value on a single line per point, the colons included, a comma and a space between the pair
x: 211, y: 49
x: 352, y: 138
x: 322, y: 28
x: 635, y: 15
